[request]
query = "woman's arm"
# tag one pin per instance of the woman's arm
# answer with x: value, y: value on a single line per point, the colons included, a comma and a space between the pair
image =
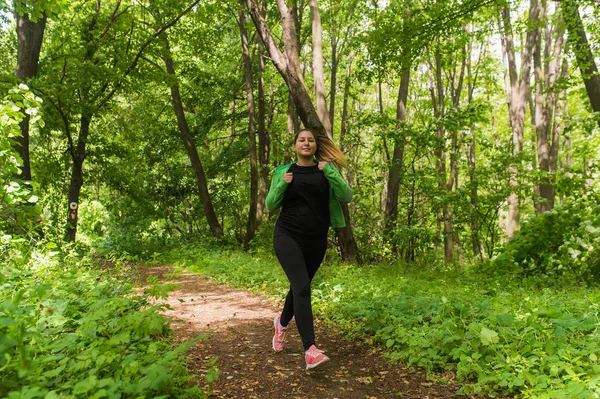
x: 277, y: 190
x: 341, y: 189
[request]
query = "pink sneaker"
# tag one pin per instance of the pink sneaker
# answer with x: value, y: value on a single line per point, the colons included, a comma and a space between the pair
x: 314, y: 357
x: 279, y: 337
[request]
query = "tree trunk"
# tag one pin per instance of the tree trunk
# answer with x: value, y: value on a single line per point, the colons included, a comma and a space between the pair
x: 251, y: 224
x: 545, y: 103
x: 560, y: 121
x: 78, y: 156
x: 29, y: 43
x: 393, y: 183
x: 344, y: 123
x: 438, y: 100
x: 348, y: 248
x: 518, y: 87
x: 317, y: 64
x: 583, y: 54
x: 190, y: 147
x: 264, y: 142
x: 333, y: 88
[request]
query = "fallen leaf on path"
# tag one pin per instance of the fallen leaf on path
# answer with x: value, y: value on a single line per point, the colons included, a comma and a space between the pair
x: 365, y: 380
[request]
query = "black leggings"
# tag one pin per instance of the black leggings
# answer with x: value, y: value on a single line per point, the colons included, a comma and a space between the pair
x: 300, y: 258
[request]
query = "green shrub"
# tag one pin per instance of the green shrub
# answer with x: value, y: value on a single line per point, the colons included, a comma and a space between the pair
x: 70, y: 330
x: 564, y: 242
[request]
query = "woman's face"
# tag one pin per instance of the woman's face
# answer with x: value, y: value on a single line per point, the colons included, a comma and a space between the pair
x: 305, y: 145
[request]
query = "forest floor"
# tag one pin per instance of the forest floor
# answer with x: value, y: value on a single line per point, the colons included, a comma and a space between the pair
x: 239, y: 329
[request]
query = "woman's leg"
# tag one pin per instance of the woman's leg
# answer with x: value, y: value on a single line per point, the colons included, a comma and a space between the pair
x: 314, y: 252
x: 287, y: 314
x: 314, y: 249
x: 291, y: 256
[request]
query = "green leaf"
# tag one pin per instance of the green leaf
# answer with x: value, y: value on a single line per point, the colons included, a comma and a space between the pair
x: 488, y: 337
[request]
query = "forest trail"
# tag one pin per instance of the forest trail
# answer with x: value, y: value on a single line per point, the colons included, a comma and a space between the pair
x: 239, y: 326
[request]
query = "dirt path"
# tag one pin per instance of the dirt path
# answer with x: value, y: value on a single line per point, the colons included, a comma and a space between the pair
x: 239, y: 327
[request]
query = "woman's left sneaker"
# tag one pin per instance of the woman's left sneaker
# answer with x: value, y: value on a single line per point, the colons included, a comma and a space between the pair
x: 314, y: 357
x: 279, y: 337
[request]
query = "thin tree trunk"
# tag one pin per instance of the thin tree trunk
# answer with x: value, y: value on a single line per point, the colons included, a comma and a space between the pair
x: 560, y: 121
x: 252, y: 223
x: 30, y: 35
x: 472, y: 160
x: 78, y: 156
x: 583, y: 54
x: 394, y: 176
x: 264, y: 141
x: 545, y: 74
x: 519, y: 91
x: 293, y: 126
x: 344, y: 123
x: 190, y: 146
x: 317, y: 64
x: 333, y: 88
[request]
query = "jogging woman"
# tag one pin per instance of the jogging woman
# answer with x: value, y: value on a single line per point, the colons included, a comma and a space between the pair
x: 309, y: 192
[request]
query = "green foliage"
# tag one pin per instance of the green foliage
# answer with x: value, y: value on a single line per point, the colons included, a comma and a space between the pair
x: 564, y: 242
x: 18, y: 212
x: 69, y: 329
x: 35, y: 9
x: 500, y: 334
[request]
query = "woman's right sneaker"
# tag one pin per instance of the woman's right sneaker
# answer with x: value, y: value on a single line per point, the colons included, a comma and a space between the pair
x: 314, y: 357
x: 279, y: 337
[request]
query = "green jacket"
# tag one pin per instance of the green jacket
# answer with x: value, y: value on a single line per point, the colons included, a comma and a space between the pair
x: 339, y: 191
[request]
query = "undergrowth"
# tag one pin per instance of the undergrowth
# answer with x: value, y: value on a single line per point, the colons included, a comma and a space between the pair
x: 71, y: 329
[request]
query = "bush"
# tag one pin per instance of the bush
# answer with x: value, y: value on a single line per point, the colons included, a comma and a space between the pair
x: 70, y: 330
x: 564, y: 242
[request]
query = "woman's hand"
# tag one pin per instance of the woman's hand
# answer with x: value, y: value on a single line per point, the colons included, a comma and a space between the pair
x: 288, y: 177
x: 322, y: 165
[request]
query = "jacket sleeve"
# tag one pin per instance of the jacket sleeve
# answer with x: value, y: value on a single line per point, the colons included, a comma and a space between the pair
x: 341, y: 189
x: 277, y: 190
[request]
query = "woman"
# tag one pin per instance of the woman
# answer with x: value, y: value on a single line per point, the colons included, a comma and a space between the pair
x: 309, y: 192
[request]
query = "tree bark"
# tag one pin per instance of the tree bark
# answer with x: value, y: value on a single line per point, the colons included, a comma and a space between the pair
x: 29, y: 44
x: 397, y: 163
x: 333, y: 88
x: 344, y: 123
x: 518, y: 87
x: 190, y: 147
x: 348, y: 248
x: 264, y: 141
x: 545, y: 74
x: 317, y: 64
x: 439, y: 103
x: 583, y: 53
x: 251, y: 224
x: 78, y: 156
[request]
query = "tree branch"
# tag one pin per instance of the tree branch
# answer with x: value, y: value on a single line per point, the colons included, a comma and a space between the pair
x: 135, y: 61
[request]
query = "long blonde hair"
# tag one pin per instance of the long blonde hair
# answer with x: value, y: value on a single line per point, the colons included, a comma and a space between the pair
x: 327, y: 150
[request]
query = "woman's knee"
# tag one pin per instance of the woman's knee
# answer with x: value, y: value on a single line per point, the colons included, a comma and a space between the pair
x: 302, y: 291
